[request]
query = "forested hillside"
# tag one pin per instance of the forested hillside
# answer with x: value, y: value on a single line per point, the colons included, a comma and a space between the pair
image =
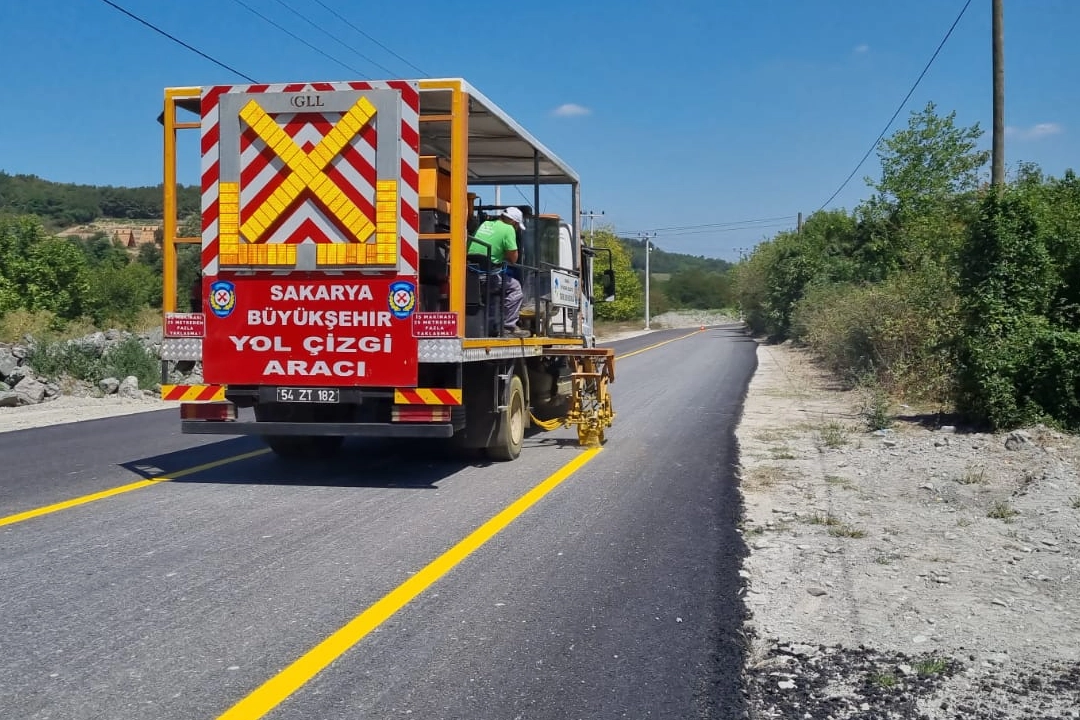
x: 63, y: 204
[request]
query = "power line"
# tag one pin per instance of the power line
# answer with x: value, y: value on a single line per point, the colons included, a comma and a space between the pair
x: 178, y: 41
x: 724, y: 230
x: 296, y: 37
x: 901, y: 106
x: 333, y: 37
x: 725, y: 224
x: 733, y: 224
x: 345, y: 20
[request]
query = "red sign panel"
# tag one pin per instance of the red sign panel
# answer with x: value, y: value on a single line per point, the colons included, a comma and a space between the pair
x: 310, y: 329
x: 185, y: 325
x: 434, y: 325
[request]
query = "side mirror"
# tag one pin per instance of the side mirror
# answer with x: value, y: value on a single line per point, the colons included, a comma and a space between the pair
x: 607, y: 282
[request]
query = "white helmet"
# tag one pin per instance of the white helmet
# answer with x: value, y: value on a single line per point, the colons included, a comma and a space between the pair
x: 515, y: 214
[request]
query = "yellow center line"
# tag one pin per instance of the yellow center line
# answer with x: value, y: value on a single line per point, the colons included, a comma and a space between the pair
x: 138, y: 485
x: 653, y: 347
x: 275, y: 690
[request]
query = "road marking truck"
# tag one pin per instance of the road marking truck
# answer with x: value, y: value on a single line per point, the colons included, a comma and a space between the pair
x: 336, y: 297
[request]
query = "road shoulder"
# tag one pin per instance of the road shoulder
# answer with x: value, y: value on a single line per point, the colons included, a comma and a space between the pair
x: 916, y: 572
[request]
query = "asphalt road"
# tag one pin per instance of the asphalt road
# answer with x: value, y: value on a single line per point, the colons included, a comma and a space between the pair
x: 613, y: 595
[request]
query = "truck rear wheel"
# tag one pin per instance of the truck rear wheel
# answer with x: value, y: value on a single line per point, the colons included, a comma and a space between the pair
x: 511, y: 431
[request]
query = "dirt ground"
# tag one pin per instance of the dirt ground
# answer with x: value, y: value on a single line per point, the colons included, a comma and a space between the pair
x: 916, y: 572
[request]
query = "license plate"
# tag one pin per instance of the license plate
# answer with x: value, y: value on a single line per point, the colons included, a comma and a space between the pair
x: 309, y: 395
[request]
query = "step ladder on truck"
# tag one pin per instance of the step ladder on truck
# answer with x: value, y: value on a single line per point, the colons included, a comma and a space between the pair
x: 334, y: 296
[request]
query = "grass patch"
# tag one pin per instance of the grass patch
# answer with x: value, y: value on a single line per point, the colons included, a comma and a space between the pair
x: 773, y: 435
x: 1001, y: 510
x: 837, y: 528
x: 846, y: 531
x: 833, y: 435
x: 875, y: 408
x: 838, y: 481
x: 1074, y: 502
x: 931, y: 666
x: 782, y: 453
x: 972, y: 476
x: 765, y: 476
x: 885, y: 680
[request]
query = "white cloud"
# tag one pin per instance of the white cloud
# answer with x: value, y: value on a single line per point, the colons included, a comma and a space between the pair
x: 1035, y: 132
x: 862, y: 49
x: 571, y: 110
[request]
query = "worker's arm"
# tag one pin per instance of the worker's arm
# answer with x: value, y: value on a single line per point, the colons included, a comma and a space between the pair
x: 511, y: 256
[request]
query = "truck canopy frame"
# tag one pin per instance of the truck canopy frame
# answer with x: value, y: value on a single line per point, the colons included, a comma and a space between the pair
x: 501, y: 152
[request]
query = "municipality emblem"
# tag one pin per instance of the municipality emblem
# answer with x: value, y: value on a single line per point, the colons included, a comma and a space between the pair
x: 402, y: 299
x: 222, y: 298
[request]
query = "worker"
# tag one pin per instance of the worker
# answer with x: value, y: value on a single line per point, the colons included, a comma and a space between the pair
x: 501, y: 235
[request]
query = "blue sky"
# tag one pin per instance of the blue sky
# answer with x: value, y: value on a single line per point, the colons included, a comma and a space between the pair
x: 681, y: 113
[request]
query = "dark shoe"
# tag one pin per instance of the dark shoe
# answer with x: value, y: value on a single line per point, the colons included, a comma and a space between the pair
x: 516, y: 332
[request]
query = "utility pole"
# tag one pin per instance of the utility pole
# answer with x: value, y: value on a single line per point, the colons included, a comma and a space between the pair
x: 798, y: 228
x: 648, y: 251
x: 590, y: 216
x: 997, y: 171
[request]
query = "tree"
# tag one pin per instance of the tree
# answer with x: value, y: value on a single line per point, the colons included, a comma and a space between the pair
x: 924, y: 198
x: 930, y: 161
x: 696, y: 288
x: 54, y: 277
x: 629, y: 300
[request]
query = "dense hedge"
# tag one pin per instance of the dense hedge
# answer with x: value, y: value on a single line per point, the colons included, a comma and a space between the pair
x: 939, y: 287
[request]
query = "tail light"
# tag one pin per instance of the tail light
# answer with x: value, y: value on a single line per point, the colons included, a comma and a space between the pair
x: 420, y: 413
x: 208, y: 411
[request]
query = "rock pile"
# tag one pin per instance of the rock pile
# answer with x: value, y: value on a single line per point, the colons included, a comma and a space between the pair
x: 19, y: 384
x: 22, y: 384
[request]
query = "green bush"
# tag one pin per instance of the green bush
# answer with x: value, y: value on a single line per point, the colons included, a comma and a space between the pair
x: 901, y: 332
x: 129, y: 357
x: 58, y: 358
x: 1016, y: 366
x: 83, y: 361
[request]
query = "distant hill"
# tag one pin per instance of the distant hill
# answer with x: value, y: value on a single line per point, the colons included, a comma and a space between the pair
x: 63, y: 204
x: 663, y: 261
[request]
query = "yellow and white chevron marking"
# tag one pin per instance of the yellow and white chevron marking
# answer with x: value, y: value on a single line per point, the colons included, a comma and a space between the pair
x: 307, y: 170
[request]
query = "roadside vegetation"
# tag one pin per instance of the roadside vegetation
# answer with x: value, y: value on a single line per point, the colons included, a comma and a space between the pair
x: 938, y: 289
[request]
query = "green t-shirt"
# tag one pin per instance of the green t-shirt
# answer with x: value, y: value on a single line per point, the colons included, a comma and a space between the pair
x: 499, y: 235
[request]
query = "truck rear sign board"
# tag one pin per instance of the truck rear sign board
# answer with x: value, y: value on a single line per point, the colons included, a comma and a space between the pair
x: 313, y: 330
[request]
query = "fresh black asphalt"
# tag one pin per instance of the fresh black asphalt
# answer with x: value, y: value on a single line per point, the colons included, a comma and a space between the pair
x: 614, y: 596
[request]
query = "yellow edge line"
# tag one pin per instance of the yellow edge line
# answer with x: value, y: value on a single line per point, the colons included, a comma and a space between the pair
x: 275, y: 690
x: 653, y: 347
x: 138, y: 485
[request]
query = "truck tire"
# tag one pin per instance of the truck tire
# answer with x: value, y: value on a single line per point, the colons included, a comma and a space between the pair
x: 296, y: 447
x: 511, y: 432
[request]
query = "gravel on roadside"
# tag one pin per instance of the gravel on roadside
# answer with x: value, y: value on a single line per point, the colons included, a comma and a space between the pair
x: 918, y: 571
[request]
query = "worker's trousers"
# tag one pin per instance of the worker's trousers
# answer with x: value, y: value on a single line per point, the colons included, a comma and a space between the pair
x: 512, y: 300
